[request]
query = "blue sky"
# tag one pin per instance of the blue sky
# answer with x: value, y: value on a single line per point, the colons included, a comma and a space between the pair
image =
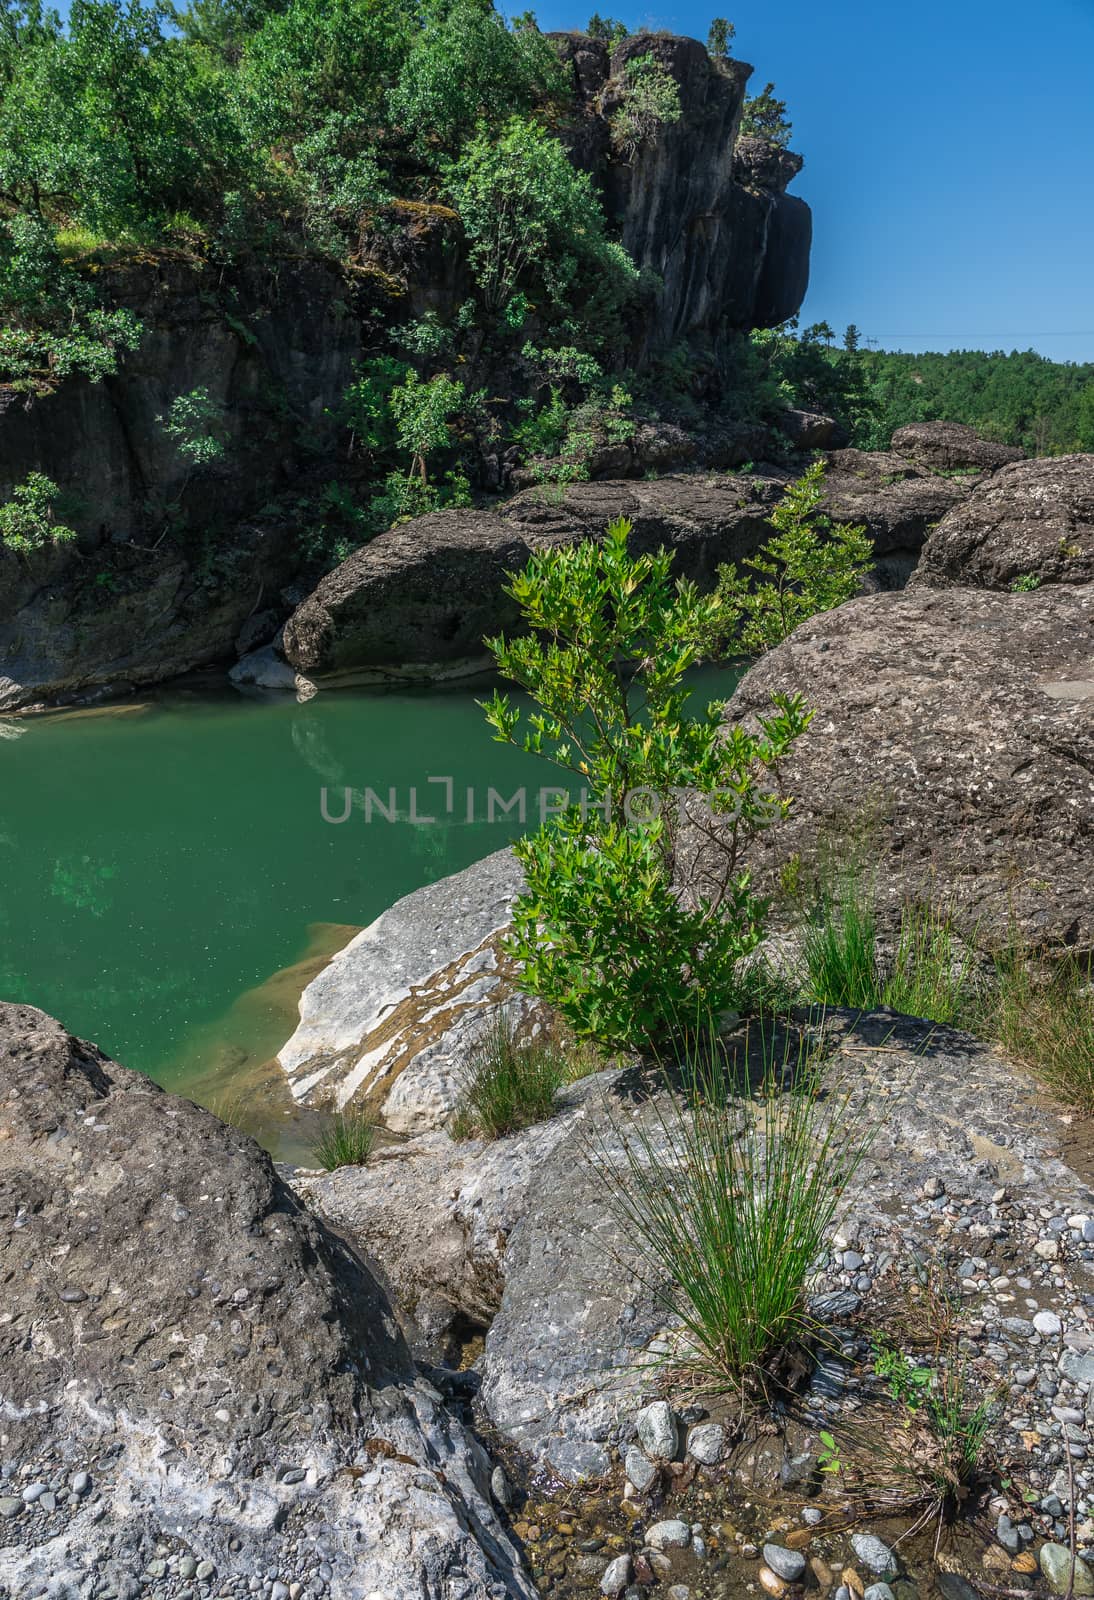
x: 949, y: 152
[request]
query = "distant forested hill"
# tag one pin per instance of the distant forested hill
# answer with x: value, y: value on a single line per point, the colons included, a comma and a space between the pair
x: 1020, y: 398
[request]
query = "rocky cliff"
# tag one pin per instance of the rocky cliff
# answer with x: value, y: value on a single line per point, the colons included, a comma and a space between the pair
x: 171, y: 562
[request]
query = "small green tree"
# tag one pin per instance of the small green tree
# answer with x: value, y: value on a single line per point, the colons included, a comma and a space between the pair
x: 607, y: 29
x: 532, y: 220
x: 196, y: 426
x: 28, y: 520
x: 615, y: 927
x: 650, y: 102
x: 811, y: 565
x: 719, y: 38
x: 764, y: 117
x: 423, y: 412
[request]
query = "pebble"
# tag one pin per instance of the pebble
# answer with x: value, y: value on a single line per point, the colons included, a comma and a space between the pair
x: 670, y: 1535
x: 679, y: 1591
x: 952, y: 1586
x: 617, y: 1575
x: 1056, y: 1566
x: 1047, y: 1323
x: 706, y: 1442
x: 33, y: 1492
x: 872, y: 1552
x: 11, y: 1505
x: 500, y: 1487
x: 81, y: 1484
x: 788, y: 1564
x: 879, y: 1591
x: 813, y: 1516
x: 187, y: 1567
x: 770, y: 1582
x: 639, y: 1468
x: 657, y: 1431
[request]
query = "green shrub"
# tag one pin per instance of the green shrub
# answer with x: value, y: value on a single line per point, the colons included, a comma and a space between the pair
x: 650, y: 101
x: 719, y: 39
x: 511, y: 1083
x: 604, y: 931
x: 533, y: 222
x: 423, y: 414
x: 809, y: 566
x: 730, y: 1196
x: 27, y: 520
x: 346, y: 1142
x: 466, y: 66
x: 608, y: 29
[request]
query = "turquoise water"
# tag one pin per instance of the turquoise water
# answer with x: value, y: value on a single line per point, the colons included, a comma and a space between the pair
x: 163, y: 864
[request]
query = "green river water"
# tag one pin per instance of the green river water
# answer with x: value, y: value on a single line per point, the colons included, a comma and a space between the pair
x: 168, y: 884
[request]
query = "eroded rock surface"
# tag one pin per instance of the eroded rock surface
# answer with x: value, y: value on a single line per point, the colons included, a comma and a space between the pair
x: 960, y: 723
x: 952, y: 447
x: 391, y: 1022
x: 1030, y: 524
x: 206, y: 1365
x: 966, y: 1169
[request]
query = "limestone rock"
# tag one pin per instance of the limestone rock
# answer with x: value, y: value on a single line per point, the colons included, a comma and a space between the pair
x: 961, y: 722
x: 1033, y: 521
x: 391, y: 1021
x: 214, y: 1365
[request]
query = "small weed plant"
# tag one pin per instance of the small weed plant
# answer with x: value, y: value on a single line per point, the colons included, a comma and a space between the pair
x: 346, y: 1142
x: 511, y: 1083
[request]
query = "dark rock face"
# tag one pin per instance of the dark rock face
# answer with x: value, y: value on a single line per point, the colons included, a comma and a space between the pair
x: 227, y: 1372
x: 951, y: 447
x: 898, y: 502
x: 1033, y: 520
x: 69, y: 629
x: 961, y: 722
x: 730, y: 246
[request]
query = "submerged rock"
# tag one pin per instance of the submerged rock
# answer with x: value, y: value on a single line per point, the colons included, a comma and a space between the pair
x: 211, y: 1367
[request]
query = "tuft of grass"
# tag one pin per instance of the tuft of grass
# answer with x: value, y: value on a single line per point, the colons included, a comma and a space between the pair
x: 729, y: 1187
x: 512, y: 1083
x: 347, y: 1142
x: 933, y: 972
x: 839, y: 946
x: 1043, y: 1014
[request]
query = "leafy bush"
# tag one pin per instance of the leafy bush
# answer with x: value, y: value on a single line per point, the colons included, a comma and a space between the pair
x: 423, y: 414
x: 603, y: 932
x: 650, y: 101
x: 467, y: 66
x: 510, y: 1083
x: 607, y: 29
x: 347, y: 1142
x: 731, y: 1196
x: 809, y: 567
x: 50, y: 324
x: 533, y: 222
x: 27, y: 520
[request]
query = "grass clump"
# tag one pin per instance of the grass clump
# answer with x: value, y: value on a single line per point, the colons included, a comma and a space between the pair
x: 1044, y: 1015
x: 511, y: 1083
x: 839, y: 946
x: 346, y: 1142
x: 729, y: 1190
x: 930, y: 974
